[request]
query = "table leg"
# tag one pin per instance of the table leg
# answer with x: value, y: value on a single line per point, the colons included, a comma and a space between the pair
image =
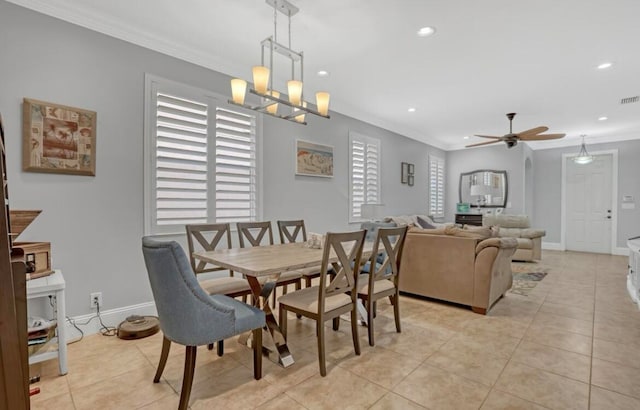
x: 280, y: 352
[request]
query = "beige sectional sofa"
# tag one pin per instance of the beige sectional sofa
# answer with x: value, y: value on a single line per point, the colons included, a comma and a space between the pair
x: 517, y: 226
x: 457, y: 265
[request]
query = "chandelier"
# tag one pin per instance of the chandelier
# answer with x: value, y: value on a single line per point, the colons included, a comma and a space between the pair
x: 583, y: 156
x: 263, y: 76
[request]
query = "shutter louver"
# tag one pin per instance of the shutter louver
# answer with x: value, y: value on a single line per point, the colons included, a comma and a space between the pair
x: 181, y: 161
x: 235, y: 171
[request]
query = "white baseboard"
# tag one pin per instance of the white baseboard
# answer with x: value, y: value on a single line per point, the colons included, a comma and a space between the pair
x: 620, y: 251
x: 552, y: 246
x: 112, y: 317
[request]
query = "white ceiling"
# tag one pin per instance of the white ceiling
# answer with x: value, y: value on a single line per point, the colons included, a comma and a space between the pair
x: 487, y: 58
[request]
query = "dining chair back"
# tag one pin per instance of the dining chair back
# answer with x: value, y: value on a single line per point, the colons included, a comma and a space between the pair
x: 382, y: 279
x: 290, y: 231
x: 254, y: 233
x: 189, y: 316
x: 335, y: 295
x: 207, y: 237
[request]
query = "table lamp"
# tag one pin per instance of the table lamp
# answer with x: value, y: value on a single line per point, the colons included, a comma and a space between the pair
x: 479, y: 191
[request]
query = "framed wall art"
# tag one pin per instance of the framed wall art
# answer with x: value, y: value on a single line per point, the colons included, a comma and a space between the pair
x: 314, y: 159
x: 407, y: 173
x: 58, y: 139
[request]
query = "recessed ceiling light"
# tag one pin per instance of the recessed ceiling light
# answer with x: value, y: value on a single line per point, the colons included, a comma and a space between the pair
x: 603, y: 118
x: 411, y: 109
x: 323, y: 73
x: 604, y: 66
x: 466, y: 137
x: 426, y: 31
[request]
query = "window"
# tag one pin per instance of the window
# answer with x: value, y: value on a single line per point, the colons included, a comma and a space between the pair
x: 436, y: 187
x: 364, y: 180
x: 200, y: 159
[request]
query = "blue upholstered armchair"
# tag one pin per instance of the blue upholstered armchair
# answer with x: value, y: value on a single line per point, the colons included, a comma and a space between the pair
x: 189, y: 316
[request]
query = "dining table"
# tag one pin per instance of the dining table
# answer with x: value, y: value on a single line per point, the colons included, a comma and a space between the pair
x: 262, y: 266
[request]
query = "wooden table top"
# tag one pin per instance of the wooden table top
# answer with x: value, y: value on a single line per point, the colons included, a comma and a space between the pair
x: 267, y: 260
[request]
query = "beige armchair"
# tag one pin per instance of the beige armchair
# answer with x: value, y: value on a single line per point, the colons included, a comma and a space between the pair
x: 517, y: 226
x: 450, y: 265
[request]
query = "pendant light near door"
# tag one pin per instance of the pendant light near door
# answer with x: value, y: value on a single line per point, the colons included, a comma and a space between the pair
x: 583, y: 156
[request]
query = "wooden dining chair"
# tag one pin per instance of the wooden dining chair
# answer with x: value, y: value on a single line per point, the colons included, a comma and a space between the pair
x: 333, y: 296
x: 382, y: 278
x: 258, y: 234
x: 207, y: 237
x: 294, y: 231
x: 190, y: 317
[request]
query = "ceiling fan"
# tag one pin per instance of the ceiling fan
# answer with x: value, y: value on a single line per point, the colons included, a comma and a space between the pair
x: 511, y: 139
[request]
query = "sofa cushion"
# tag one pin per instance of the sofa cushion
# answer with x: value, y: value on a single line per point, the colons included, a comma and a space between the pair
x: 402, y: 220
x: 506, y: 221
x: 497, y: 243
x: 475, y: 232
x: 509, y: 232
x: 435, y: 231
x: 425, y: 223
x: 532, y: 233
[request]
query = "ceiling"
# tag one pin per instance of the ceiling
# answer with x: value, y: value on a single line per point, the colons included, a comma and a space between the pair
x: 487, y: 58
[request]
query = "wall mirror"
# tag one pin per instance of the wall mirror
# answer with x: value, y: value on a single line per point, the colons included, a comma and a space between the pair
x: 486, y: 188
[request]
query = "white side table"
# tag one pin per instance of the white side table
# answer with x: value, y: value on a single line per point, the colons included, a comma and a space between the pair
x: 52, y: 285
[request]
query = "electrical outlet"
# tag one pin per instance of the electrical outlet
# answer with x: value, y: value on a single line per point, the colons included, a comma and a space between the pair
x: 96, y: 299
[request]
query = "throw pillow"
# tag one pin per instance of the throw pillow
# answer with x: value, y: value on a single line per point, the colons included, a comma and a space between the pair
x: 424, y: 223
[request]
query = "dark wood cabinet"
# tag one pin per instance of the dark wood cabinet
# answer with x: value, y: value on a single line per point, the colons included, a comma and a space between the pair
x: 469, y: 219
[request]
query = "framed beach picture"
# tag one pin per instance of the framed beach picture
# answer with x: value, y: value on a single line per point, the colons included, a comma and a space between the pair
x: 314, y: 159
x: 58, y: 139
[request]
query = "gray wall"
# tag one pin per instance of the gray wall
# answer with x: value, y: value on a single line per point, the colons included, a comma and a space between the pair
x: 95, y: 223
x: 497, y: 157
x: 547, y: 188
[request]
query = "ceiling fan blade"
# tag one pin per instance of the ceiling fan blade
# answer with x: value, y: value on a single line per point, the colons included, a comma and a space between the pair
x: 533, y: 131
x: 541, y: 137
x: 487, y: 136
x: 482, y: 143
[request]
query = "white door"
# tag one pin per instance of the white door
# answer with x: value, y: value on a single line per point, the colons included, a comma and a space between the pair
x: 589, y: 212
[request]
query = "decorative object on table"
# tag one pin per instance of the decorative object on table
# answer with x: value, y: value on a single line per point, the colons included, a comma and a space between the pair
x: 313, y: 159
x: 407, y: 173
x: 462, y: 207
x: 491, y: 186
x: 583, y: 156
x: 37, y: 255
x: 262, y: 75
x: 526, y: 276
x: 511, y: 139
x: 58, y: 139
x: 314, y: 241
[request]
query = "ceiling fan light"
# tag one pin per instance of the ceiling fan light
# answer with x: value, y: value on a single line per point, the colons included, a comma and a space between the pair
x: 238, y: 90
x: 260, y: 79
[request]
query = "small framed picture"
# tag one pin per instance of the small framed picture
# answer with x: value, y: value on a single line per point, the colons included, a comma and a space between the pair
x: 404, y: 175
x: 410, y: 169
x: 58, y: 139
x: 410, y: 180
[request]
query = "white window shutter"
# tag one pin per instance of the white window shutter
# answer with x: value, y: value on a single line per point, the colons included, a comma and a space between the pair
x: 436, y: 186
x: 364, y: 184
x: 181, y: 161
x: 235, y: 172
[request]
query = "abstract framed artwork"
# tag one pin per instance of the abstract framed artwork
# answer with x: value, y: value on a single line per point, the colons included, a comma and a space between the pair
x: 314, y: 159
x: 58, y: 139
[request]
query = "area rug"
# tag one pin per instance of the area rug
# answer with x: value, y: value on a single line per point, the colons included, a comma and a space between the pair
x: 526, y: 276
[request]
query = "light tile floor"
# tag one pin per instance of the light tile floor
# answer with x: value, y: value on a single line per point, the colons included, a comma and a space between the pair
x: 572, y: 343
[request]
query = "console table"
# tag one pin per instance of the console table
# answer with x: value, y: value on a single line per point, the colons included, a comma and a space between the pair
x: 52, y: 285
x: 469, y: 219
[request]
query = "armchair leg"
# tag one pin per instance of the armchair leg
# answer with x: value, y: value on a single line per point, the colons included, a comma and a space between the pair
x: 187, y: 379
x: 210, y: 346
x: 166, y: 345
x: 336, y: 323
x: 257, y: 353
x: 220, y: 348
